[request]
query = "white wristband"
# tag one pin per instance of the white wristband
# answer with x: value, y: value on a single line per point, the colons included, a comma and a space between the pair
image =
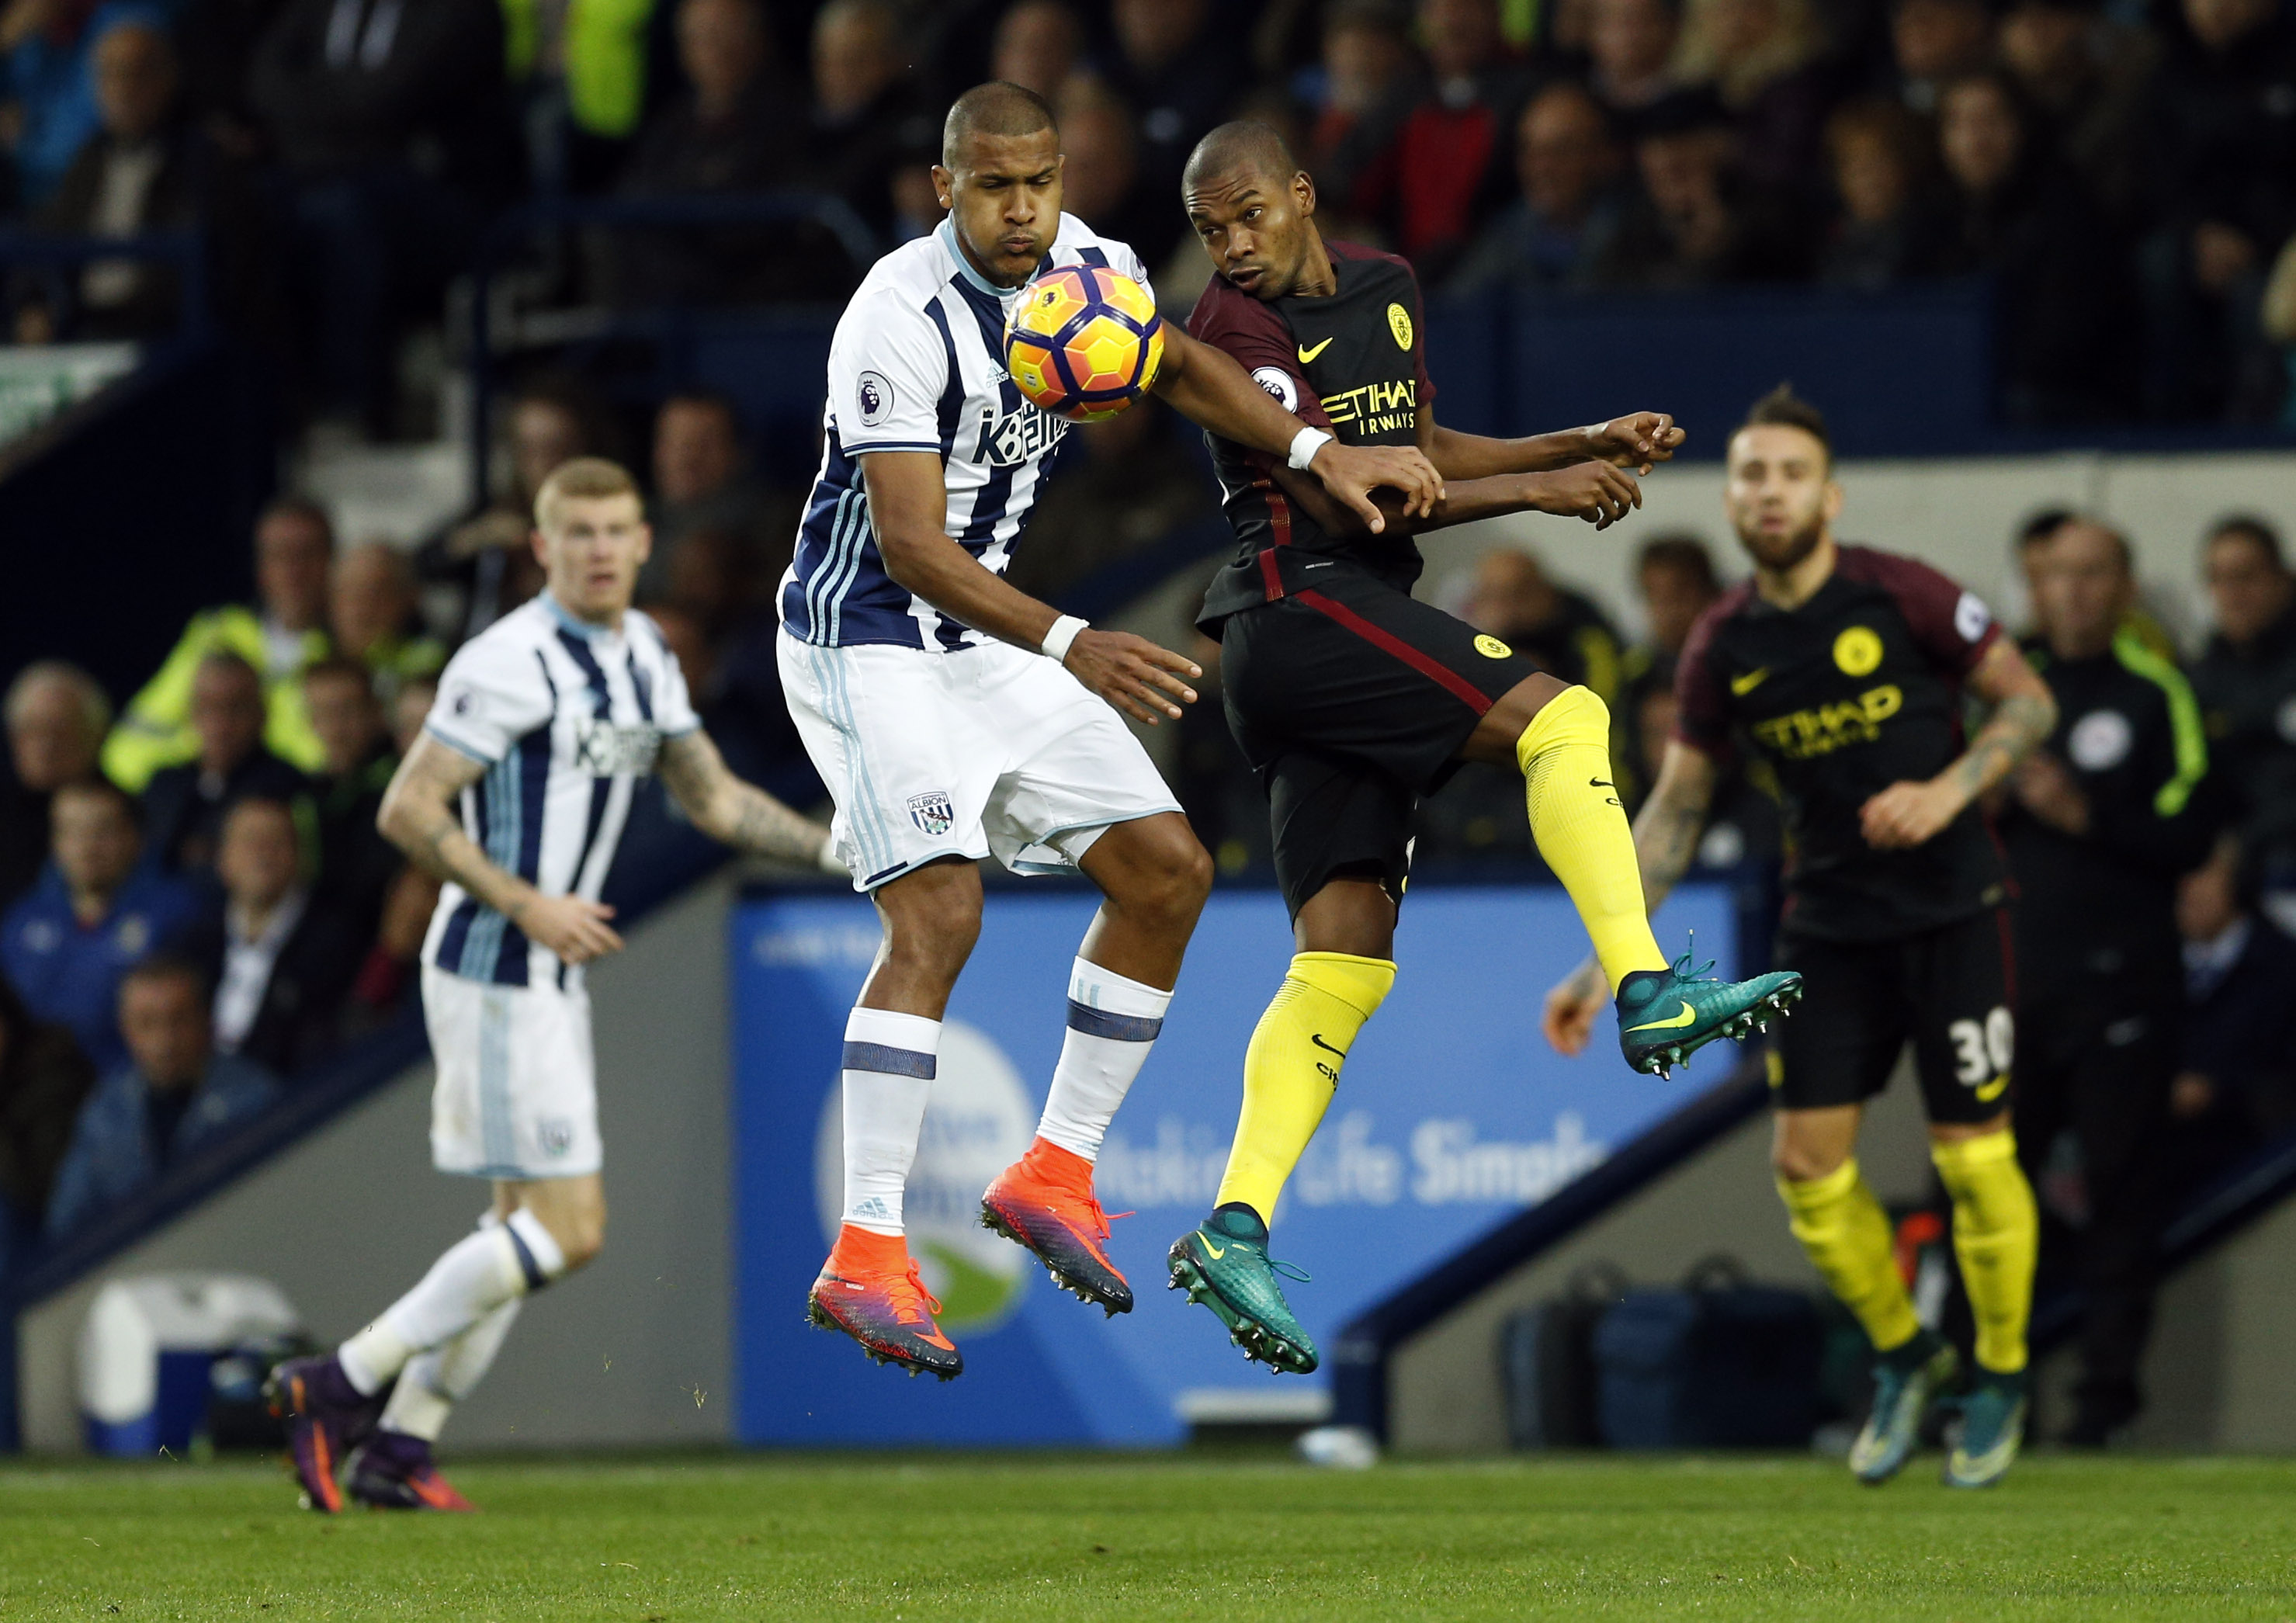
x: 1064, y: 631
x: 1304, y: 443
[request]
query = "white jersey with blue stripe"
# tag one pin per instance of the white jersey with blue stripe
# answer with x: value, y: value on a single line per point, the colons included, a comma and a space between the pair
x: 566, y: 716
x: 918, y: 364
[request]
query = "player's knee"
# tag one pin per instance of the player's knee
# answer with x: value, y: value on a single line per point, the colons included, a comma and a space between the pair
x: 581, y: 1236
x: 1179, y: 876
x: 1799, y: 1161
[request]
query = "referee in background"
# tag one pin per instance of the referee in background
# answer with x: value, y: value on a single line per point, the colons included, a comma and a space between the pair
x: 2099, y: 823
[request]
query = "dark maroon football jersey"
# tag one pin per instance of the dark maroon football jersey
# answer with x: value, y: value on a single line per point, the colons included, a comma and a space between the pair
x: 1353, y: 362
x: 1858, y: 689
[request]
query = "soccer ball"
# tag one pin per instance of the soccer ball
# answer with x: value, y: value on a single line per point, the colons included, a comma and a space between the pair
x: 1084, y: 342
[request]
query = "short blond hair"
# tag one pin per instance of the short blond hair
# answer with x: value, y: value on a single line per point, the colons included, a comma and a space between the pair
x: 585, y: 479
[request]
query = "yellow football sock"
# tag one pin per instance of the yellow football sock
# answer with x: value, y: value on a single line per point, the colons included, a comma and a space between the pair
x: 1996, y: 1234
x: 1292, y: 1068
x: 1846, y: 1234
x: 1581, y: 830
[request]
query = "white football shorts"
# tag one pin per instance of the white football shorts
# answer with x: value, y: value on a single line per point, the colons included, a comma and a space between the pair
x: 981, y: 751
x: 517, y: 1094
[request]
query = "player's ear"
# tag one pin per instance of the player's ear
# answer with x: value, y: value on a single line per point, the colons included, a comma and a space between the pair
x: 645, y: 542
x: 1832, y: 509
x: 944, y: 186
x: 1303, y: 193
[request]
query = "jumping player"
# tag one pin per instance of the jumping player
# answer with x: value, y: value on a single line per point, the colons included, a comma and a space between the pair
x: 515, y: 794
x: 953, y: 716
x: 1844, y: 669
x: 1352, y: 700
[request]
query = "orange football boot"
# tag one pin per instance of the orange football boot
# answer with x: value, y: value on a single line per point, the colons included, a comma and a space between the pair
x: 870, y: 1289
x: 1045, y: 1202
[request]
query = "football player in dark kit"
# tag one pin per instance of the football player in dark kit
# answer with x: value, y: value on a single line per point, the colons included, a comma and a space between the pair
x: 2100, y: 824
x: 1352, y: 699
x: 1844, y: 670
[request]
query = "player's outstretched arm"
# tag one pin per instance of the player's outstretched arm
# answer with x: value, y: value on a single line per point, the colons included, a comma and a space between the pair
x: 1665, y: 838
x: 1639, y: 440
x: 2024, y: 712
x: 1595, y: 491
x: 418, y: 816
x: 907, y: 506
x: 735, y: 813
x: 1211, y: 390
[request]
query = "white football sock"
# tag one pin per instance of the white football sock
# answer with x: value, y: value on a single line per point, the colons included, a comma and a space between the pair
x: 433, y: 1383
x: 890, y: 1061
x: 500, y: 1263
x: 1112, y: 1024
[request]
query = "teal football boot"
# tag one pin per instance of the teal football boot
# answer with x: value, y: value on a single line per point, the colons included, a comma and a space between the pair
x: 1223, y: 1264
x: 1992, y: 1430
x: 1906, y: 1380
x: 1667, y: 1015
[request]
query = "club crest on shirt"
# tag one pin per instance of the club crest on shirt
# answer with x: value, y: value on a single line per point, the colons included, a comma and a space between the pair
x: 2100, y: 740
x: 1398, y: 322
x: 1857, y: 651
x: 555, y: 1134
x: 608, y: 749
x: 932, y: 813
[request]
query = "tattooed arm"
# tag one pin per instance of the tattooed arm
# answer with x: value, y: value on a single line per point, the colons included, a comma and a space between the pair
x: 419, y: 816
x: 738, y: 814
x: 1665, y: 838
x: 2024, y: 712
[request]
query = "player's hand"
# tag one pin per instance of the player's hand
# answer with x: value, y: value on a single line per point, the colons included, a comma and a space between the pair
x: 573, y: 927
x: 1594, y: 491
x: 1906, y: 814
x: 1352, y: 472
x: 2046, y: 787
x: 1132, y: 674
x: 1639, y: 440
x: 1572, y: 1008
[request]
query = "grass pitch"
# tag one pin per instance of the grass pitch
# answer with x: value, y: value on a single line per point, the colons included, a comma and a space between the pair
x: 1021, y: 1536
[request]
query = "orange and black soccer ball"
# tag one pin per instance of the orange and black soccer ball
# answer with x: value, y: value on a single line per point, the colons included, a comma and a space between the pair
x: 1084, y: 342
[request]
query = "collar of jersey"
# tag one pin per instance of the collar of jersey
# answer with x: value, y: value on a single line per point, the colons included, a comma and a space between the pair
x: 566, y: 620
x: 947, y: 232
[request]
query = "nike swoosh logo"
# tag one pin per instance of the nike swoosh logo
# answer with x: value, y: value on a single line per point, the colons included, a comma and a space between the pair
x: 1317, y: 1038
x: 1747, y: 684
x: 1307, y: 355
x: 1687, y: 1015
x: 1213, y: 1251
x: 1600, y: 784
x: 1993, y: 1089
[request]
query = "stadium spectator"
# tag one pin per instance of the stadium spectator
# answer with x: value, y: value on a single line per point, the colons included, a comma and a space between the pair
x: 370, y: 613
x: 1128, y: 485
x: 1100, y: 182
x: 1762, y: 61
x: 408, y: 712
x: 738, y: 129
x: 2086, y: 76
x: 184, y: 806
x: 702, y: 481
x: 282, y: 637
x: 47, y: 61
x: 173, y: 1094
x: 2246, y: 682
x: 2235, y: 1087
x: 2222, y: 136
x: 866, y: 111
x: 280, y: 959
x: 1888, y: 229
x: 1934, y: 42
x: 1560, y: 631
x: 1037, y: 46
x: 1445, y: 164
x: 2099, y: 825
x: 356, y: 863
x: 1572, y: 202
x: 1367, y: 67
x: 44, y: 1080
x: 95, y: 913
x: 552, y: 419
x: 146, y: 168
x: 580, y: 69
x: 1696, y: 224
x: 1179, y: 78
x: 1631, y: 45
x: 2061, y: 307
x: 394, y: 127
x: 56, y: 715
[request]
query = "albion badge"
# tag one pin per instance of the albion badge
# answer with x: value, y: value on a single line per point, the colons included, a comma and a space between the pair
x: 932, y: 813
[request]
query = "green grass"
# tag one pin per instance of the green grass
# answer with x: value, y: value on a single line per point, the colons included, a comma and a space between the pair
x: 1164, y: 1536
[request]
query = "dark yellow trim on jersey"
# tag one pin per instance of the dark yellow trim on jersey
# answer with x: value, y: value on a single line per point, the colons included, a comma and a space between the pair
x: 2129, y: 646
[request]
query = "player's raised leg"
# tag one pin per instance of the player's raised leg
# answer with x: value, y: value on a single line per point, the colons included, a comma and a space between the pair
x: 870, y: 1287
x: 333, y: 1403
x: 1559, y: 737
x: 1155, y: 875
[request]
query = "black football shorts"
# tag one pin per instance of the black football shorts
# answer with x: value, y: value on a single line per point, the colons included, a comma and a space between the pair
x: 1949, y: 991
x: 1352, y: 699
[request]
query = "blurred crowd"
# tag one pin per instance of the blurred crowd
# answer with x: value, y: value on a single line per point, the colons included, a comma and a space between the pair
x: 2123, y: 171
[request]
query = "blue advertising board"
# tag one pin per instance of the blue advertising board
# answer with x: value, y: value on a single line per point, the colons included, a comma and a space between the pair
x: 1453, y: 1115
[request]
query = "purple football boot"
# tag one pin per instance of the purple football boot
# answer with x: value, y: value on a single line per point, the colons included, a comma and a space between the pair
x: 395, y: 1472
x: 326, y: 1417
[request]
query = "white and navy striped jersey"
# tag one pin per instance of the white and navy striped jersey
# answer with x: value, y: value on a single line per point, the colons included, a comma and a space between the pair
x: 566, y: 716
x: 918, y: 364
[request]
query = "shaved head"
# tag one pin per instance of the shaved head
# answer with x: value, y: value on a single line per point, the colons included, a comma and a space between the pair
x: 998, y: 108
x: 1241, y: 148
